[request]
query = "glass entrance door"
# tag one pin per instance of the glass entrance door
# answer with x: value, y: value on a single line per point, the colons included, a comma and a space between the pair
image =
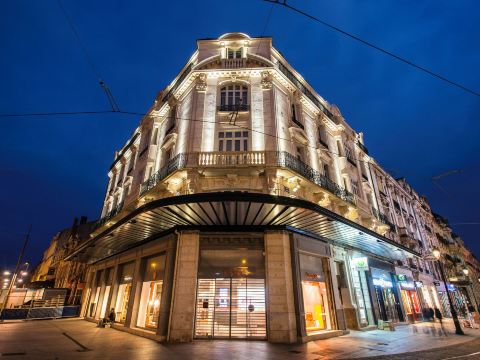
x: 230, y: 308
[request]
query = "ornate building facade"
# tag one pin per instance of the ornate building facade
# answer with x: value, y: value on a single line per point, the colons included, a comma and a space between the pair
x: 245, y: 206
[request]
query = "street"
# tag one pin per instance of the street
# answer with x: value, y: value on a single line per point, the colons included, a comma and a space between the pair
x: 79, y: 339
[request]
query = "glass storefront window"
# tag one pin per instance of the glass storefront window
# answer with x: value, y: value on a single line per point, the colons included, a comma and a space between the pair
x: 364, y: 305
x: 151, y: 295
x: 315, y: 304
x: 316, y: 293
x: 123, y: 295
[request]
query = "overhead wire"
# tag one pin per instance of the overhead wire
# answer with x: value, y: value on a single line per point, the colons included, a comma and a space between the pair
x: 176, y: 118
x: 373, y: 46
x: 89, y: 59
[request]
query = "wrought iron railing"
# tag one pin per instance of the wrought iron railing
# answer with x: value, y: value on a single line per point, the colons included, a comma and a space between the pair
x: 248, y: 158
x: 233, y: 107
x: 177, y: 162
x: 289, y: 161
x: 115, y: 210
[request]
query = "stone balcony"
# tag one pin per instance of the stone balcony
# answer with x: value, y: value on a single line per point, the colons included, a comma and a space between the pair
x: 274, y: 172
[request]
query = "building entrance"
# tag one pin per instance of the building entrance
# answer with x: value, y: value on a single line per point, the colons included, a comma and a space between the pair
x: 230, y: 308
x: 231, y: 289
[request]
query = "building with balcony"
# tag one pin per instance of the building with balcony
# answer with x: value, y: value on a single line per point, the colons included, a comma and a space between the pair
x: 244, y: 206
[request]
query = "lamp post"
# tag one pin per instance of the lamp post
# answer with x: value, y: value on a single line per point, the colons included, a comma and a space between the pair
x: 458, y: 328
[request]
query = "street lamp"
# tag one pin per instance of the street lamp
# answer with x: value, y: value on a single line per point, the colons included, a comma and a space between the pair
x: 465, y: 271
x: 458, y: 328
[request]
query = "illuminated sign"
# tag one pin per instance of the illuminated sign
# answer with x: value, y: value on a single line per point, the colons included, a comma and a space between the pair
x: 401, y: 277
x: 436, y: 283
x: 312, y: 276
x: 407, y: 285
x: 360, y: 264
x: 382, y: 283
x: 418, y: 284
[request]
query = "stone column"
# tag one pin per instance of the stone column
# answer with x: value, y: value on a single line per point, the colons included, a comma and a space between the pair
x: 280, y: 297
x: 167, y: 288
x: 184, y: 287
x: 135, y: 292
x: 102, y: 282
x: 113, y: 289
x: 87, y: 293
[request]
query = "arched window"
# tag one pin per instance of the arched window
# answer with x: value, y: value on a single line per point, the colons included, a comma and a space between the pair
x: 233, y: 97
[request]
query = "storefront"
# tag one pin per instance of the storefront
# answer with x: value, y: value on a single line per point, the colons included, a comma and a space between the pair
x: 316, y: 293
x: 358, y: 271
x: 151, y: 292
x: 231, y: 290
x: 387, y: 301
x: 124, y: 290
x: 411, y: 303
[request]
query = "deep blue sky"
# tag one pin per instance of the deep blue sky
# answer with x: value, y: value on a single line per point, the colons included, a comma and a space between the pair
x: 54, y: 168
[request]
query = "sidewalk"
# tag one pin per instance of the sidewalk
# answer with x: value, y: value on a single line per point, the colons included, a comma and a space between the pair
x: 78, y: 339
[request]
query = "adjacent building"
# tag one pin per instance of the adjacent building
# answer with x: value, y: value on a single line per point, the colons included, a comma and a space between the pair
x: 54, y: 271
x: 244, y: 206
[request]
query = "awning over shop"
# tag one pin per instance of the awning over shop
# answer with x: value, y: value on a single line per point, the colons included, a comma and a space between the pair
x: 235, y: 211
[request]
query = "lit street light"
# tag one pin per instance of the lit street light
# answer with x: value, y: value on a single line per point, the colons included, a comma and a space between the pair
x: 458, y: 328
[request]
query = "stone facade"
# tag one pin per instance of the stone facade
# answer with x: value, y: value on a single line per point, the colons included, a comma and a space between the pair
x: 238, y: 119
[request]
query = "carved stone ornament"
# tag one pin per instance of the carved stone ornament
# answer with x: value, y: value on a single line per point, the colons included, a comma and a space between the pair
x: 201, y: 82
x: 266, y: 80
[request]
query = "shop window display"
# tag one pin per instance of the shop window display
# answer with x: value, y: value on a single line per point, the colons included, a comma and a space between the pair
x: 151, y: 295
x: 123, y: 295
x: 316, y: 293
x: 410, y: 301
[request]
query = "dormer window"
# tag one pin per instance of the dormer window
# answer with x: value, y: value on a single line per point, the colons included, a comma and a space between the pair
x: 234, y: 53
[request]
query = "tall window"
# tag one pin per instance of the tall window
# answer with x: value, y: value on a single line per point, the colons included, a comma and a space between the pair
x: 326, y: 171
x: 232, y: 95
x: 354, y: 187
x: 322, y: 136
x: 155, y: 136
x: 234, y: 53
x: 233, y: 141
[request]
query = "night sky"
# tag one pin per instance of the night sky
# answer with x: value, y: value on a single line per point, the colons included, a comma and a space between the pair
x: 53, y: 169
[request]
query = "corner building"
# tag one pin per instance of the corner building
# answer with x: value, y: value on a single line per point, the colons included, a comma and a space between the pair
x: 245, y: 207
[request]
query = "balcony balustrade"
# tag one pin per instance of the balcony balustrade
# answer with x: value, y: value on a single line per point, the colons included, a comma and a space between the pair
x: 234, y: 63
x: 232, y: 158
x: 247, y: 158
x: 233, y: 107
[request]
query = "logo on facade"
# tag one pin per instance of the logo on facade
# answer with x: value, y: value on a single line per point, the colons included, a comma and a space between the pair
x: 360, y: 264
x: 312, y: 276
x: 401, y: 277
